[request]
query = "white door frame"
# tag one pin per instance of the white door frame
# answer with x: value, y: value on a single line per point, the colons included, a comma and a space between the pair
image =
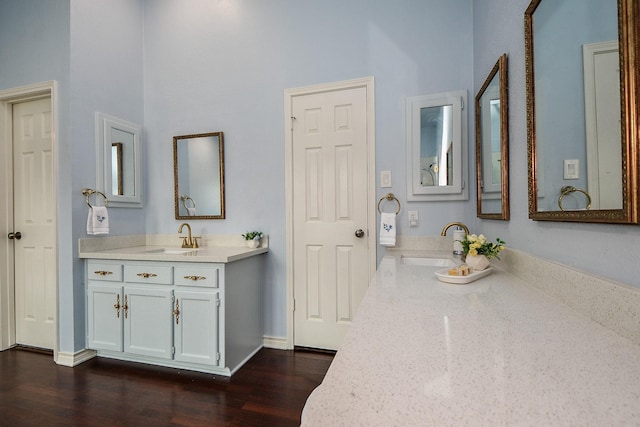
x: 8, y: 97
x: 289, y: 94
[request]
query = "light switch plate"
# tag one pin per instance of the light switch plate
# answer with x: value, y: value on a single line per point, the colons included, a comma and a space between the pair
x: 571, y: 169
x: 385, y: 179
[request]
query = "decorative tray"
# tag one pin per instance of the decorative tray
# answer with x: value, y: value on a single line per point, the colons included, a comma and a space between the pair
x: 443, y: 276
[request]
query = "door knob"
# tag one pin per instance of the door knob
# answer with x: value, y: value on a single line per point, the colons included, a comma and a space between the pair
x: 16, y: 236
x: 359, y: 233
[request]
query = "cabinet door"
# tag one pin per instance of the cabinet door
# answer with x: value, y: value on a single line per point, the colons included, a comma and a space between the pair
x: 147, y: 321
x: 196, y: 326
x: 104, y: 316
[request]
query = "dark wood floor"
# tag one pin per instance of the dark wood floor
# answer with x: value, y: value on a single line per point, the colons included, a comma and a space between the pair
x: 270, y: 390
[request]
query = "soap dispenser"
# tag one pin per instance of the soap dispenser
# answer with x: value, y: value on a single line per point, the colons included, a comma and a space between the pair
x: 458, y: 235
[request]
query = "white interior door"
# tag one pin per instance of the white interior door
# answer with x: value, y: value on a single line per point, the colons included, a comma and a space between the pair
x: 34, y: 219
x: 330, y: 206
x: 603, y: 125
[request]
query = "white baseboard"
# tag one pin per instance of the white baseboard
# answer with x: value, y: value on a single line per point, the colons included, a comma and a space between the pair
x: 275, y: 342
x: 73, y: 359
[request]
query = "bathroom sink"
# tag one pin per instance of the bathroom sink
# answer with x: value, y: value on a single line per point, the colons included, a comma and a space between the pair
x: 170, y: 251
x: 427, y: 261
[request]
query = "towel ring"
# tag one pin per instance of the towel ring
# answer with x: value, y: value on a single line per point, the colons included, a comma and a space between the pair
x: 568, y: 189
x: 389, y: 196
x: 87, y: 192
x: 185, y: 199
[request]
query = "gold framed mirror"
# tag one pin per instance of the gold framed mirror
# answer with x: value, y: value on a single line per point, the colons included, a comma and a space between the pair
x: 492, y: 144
x: 582, y: 154
x: 198, y: 169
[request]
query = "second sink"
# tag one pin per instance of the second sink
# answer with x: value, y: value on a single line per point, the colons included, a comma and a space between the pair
x: 169, y: 251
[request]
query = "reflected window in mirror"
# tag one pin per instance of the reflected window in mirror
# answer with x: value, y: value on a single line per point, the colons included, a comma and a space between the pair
x: 582, y: 110
x: 436, y: 148
x: 118, y: 162
x: 199, y: 176
x: 492, y: 144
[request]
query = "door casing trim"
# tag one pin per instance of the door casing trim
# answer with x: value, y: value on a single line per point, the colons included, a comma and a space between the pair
x: 289, y: 94
x: 9, y: 97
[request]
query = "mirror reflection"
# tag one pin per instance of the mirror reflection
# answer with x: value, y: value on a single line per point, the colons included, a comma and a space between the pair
x: 122, y: 163
x: 575, y: 79
x: 492, y: 144
x: 199, y: 176
x: 436, y: 146
x: 116, y: 169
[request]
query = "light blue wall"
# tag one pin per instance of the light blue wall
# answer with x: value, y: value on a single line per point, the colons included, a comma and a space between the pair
x: 34, y: 47
x: 605, y: 250
x: 224, y: 66
x: 106, y: 72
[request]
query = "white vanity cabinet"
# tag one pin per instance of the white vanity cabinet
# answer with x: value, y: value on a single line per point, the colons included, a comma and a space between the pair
x: 198, y: 316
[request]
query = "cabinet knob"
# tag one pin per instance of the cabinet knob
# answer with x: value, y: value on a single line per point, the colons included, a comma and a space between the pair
x: 195, y: 278
x: 146, y: 275
x: 125, y: 307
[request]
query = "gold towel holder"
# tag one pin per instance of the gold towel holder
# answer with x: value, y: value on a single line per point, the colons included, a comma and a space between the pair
x: 389, y: 196
x: 568, y: 189
x: 87, y: 192
x: 186, y: 199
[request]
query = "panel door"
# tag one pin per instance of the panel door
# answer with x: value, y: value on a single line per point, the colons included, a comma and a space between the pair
x: 104, y: 316
x: 196, y: 326
x: 34, y: 218
x: 330, y: 187
x: 147, y: 321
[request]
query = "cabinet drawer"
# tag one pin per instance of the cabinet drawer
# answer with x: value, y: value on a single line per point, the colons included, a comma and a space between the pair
x: 158, y: 274
x: 197, y: 276
x: 104, y: 271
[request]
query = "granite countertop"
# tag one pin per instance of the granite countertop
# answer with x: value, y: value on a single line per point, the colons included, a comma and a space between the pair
x: 493, y: 352
x: 150, y: 248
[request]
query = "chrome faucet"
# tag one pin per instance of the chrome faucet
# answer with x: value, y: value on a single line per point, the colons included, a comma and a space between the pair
x: 457, y: 245
x: 189, y: 241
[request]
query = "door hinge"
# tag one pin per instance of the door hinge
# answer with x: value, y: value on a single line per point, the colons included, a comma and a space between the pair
x: 217, y: 301
x: 173, y: 350
x: 462, y: 103
x: 463, y: 184
x: 173, y: 298
x: 217, y: 357
x: 294, y: 304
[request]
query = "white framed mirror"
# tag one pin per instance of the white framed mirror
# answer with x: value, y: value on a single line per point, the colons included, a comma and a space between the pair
x: 437, y: 153
x: 118, y: 169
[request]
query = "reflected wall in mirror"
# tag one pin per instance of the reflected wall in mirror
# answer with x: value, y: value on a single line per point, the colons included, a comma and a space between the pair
x: 198, y: 162
x: 582, y: 108
x: 492, y: 144
x: 436, y: 149
x: 118, y: 163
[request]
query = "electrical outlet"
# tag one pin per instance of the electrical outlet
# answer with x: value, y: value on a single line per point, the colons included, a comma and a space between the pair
x: 413, y: 218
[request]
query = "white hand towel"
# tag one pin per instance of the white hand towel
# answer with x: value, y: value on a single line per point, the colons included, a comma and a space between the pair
x: 191, y: 211
x: 98, y: 220
x: 387, y: 229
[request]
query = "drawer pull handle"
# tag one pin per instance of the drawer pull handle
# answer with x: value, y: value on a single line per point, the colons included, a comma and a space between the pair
x: 125, y: 307
x: 176, y: 312
x: 103, y: 272
x: 195, y: 278
x: 117, y: 305
x: 147, y: 275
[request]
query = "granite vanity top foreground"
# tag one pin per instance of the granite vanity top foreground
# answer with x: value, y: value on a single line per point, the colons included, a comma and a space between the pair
x: 493, y: 352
